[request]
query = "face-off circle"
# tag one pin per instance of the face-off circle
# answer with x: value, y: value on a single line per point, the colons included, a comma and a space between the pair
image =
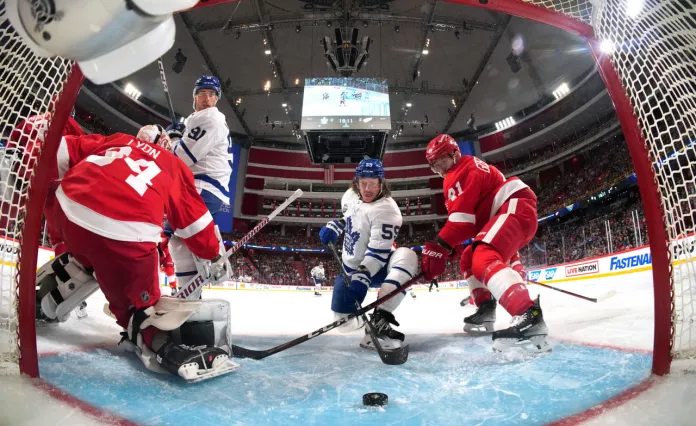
x: 375, y: 399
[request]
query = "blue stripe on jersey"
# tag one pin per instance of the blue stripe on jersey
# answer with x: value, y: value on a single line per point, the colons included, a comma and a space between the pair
x: 186, y: 274
x: 386, y: 251
x: 402, y: 270
x: 349, y: 269
x: 214, y: 182
x: 396, y: 283
x: 381, y: 259
x: 186, y: 150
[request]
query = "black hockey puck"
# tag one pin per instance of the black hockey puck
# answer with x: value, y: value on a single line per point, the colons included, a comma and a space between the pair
x: 375, y: 399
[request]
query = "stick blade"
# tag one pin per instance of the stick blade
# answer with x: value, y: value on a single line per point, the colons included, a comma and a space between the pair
x: 240, y: 352
x: 394, y: 356
x: 606, y: 295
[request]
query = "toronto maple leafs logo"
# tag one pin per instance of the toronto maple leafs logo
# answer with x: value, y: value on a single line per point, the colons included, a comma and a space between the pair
x: 350, y: 238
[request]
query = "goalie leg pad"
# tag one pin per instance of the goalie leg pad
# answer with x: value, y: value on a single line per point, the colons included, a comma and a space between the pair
x: 63, y: 284
x: 213, y: 318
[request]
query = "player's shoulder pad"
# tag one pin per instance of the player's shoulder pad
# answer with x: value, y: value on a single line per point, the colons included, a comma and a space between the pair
x: 384, y: 208
x: 206, y: 118
x: 348, y: 200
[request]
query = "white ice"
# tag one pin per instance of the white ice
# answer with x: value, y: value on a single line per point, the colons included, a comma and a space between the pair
x: 624, y: 320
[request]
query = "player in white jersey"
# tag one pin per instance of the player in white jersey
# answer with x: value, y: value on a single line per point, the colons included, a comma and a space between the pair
x: 204, y: 144
x: 318, y: 277
x: 370, y: 224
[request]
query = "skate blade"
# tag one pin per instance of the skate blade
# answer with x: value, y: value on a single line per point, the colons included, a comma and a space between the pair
x: 485, y: 328
x: 386, y: 345
x: 221, y: 366
x: 534, y: 345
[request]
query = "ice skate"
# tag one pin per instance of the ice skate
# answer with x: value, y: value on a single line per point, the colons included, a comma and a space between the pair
x: 413, y: 295
x: 173, y: 291
x: 527, y: 331
x: 195, y: 364
x: 483, y: 319
x: 388, y: 337
x: 81, y: 310
x: 316, y: 293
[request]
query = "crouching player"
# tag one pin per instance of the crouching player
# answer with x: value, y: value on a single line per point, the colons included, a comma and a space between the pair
x: 113, y: 194
x: 370, y: 224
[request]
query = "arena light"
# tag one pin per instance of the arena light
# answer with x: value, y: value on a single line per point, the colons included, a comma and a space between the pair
x: 408, y: 105
x: 634, y: 7
x: 267, y: 51
x: 504, y: 124
x: 607, y: 47
x: 561, y: 91
x: 132, y: 91
x: 426, y: 51
x: 267, y: 85
x: 284, y: 105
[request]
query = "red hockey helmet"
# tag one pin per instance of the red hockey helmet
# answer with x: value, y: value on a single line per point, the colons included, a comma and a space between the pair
x: 442, y: 146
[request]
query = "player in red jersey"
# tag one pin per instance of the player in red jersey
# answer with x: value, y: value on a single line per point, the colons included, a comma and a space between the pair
x: 113, y: 194
x: 500, y: 214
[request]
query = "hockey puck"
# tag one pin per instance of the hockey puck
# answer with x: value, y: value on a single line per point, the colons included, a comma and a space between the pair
x: 375, y: 399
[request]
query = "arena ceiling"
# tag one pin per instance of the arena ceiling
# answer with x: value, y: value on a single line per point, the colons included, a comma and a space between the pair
x: 464, y: 72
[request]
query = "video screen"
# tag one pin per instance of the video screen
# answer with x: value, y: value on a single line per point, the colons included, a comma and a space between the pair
x: 350, y: 103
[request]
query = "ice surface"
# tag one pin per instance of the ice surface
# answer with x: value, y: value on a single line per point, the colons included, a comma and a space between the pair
x: 450, y: 378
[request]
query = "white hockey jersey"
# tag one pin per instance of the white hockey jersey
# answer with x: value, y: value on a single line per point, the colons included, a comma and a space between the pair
x: 317, y: 272
x: 206, y: 148
x: 370, y: 231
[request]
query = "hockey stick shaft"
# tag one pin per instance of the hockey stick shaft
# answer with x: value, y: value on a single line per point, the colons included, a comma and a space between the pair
x: 198, y: 280
x: 261, y: 354
x: 172, y: 114
x: 570, y: 293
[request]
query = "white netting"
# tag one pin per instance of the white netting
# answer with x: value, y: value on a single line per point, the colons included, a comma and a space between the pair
x: 28, y: 87
x: 654, y: 44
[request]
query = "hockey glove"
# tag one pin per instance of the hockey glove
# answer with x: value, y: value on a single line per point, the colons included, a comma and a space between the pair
x: 176, y: 131
x: 345, y: 297
x: 434, y: 260
x: 331, y: 232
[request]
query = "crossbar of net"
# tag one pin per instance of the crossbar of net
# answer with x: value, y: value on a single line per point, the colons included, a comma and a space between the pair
x: 654, y: 55
x: 29, y: 87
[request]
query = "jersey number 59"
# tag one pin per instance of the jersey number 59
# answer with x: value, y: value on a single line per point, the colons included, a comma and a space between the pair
x: 389, y: 231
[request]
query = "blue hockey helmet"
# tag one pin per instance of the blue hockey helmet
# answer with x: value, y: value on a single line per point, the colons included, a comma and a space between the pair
x: 207, y: 82
x: 369, y: 168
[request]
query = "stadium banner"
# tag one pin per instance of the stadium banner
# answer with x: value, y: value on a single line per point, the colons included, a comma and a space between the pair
x: 234, y: 152
x: 634, y: 260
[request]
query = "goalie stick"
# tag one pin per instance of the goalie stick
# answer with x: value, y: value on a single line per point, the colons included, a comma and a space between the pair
x: 579, y: 296
x: 240, y: 352
x: 198, y: 280
x: 395, y: 356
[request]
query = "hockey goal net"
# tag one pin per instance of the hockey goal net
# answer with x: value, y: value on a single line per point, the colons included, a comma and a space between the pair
x: 648, y: 64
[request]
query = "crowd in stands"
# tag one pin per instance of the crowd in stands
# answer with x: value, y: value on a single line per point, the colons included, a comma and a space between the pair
x: 587, y: 234
x: 599, y: 168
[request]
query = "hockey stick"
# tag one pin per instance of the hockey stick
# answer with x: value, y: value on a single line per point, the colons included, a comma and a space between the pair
x: 395, y: 356
x: 579, y: 296
x: 198, y: 280
x: 263, y: 353
x: 172, y: 115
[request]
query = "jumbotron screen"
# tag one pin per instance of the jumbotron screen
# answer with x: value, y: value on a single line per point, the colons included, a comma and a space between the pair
x: 345, y: 103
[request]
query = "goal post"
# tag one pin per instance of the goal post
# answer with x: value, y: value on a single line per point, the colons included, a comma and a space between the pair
x: 36, y: 97
x: 645, y: 54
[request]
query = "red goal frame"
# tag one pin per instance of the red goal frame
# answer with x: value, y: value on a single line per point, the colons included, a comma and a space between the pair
x: 640, y: 156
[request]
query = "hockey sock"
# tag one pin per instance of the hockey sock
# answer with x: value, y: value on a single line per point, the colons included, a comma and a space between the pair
x: 502, y: 281
x: 480, y: 295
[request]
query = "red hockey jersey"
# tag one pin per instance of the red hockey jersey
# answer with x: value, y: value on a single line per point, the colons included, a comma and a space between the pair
x: 474, y: 192
x: 120, y: 188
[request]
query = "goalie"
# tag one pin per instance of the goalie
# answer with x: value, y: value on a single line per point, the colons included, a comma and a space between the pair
x: 112, y: 234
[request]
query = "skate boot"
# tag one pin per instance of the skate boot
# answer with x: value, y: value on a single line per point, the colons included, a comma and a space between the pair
x: 316, y: 293
x: 527, y: 331
x: 413, y: 295
x: 81, y: 310
x: 195, y: 363
x: 173, y: 291
x: 483, y: 319
x: 388, y: 337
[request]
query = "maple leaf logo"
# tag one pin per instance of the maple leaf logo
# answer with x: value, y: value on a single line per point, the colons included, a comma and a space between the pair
x: 350, y: 238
